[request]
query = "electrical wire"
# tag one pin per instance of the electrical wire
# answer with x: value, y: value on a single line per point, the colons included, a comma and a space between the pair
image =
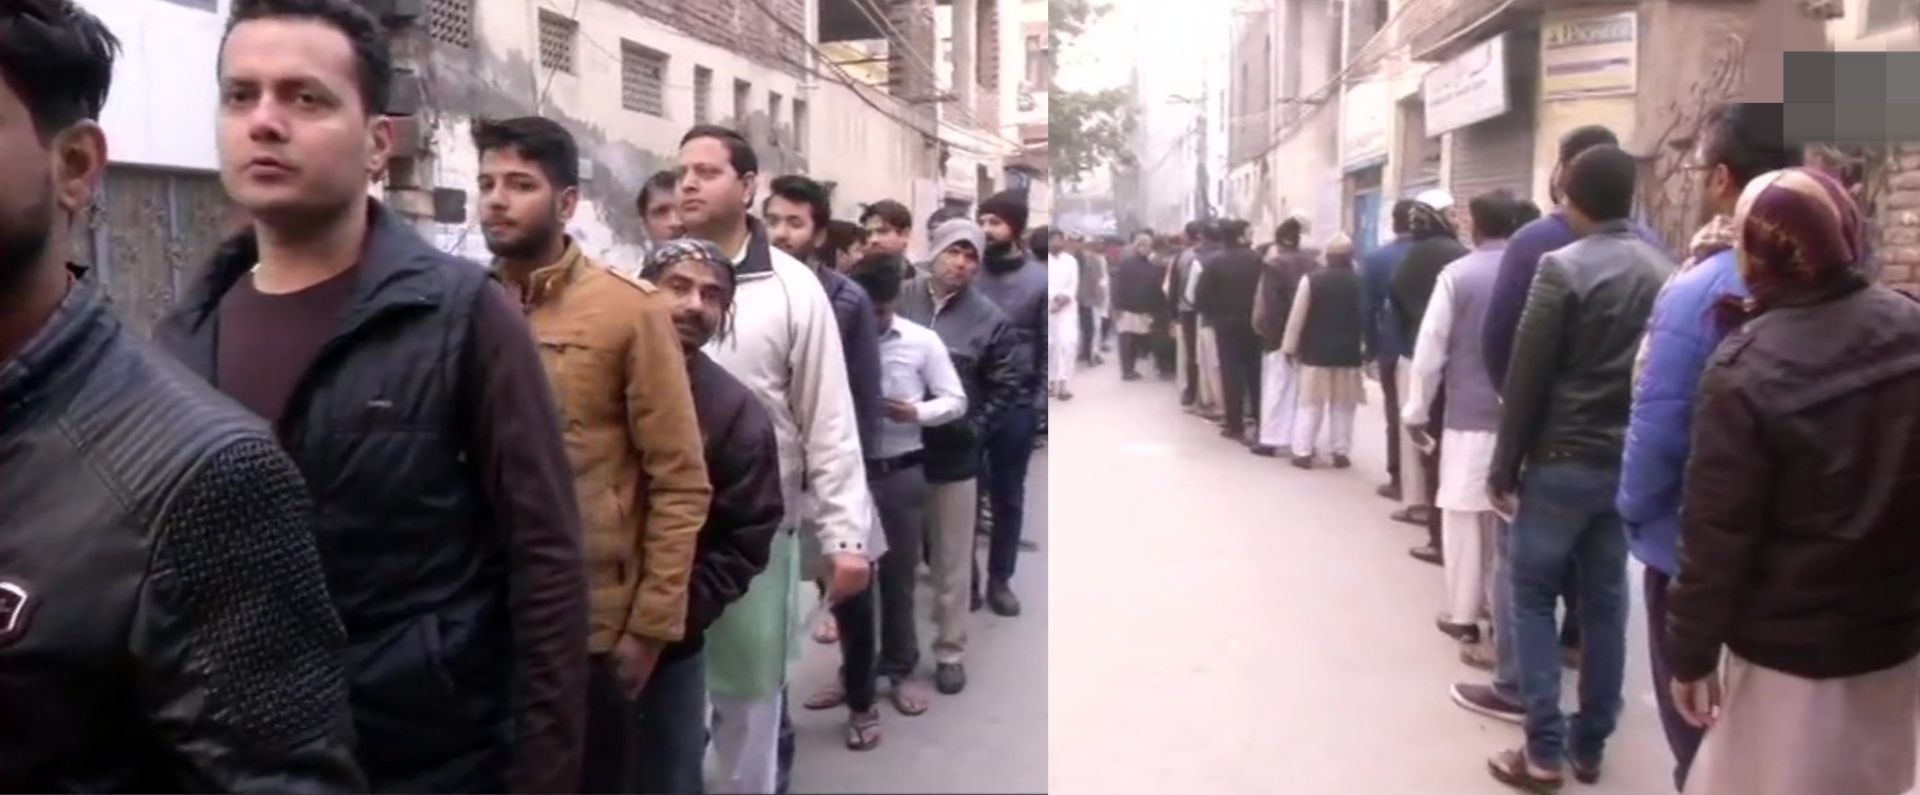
x: 893, y: 34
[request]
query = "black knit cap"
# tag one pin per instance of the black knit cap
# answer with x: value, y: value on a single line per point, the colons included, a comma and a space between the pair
x: 1009, y: 206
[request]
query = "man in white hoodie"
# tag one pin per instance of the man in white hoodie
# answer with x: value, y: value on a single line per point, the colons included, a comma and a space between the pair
x: 784, y: 344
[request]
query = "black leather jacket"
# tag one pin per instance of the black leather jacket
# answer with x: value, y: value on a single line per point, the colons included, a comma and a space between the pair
x: 993, y: 366
x: 1569, y: 388
x: 164, y: 618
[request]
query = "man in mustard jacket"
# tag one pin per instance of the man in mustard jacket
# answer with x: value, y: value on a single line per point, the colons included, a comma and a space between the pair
x: 627, y: 413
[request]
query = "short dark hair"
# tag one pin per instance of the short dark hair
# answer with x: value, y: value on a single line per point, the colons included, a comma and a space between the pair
x: 1600, y: 183
x: 1749, y: 139
x: 373, y: 59
x: 842, y: 233
x: 1194, y: 228
x: 1288, y: 232
x: 879, y: 274
x: 59, y: 59
x: 801, y: 190
x: 1494, y: 213
x: 665, y: 179
x: 1233, y: 230
x: 892, y: 213
x: 540, y: 140
x: 740, y: 154
x: 1401, y: 217
x: 1580, y: 139
x: 1525, y: 212
x: 1211, y: 232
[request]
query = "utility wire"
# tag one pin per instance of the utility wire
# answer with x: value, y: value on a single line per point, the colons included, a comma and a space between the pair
x: 893, y: 34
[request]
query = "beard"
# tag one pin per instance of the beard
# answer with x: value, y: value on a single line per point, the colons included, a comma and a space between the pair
x: 24, y: 238
x: 1000, y: 249
x: 527, y: 245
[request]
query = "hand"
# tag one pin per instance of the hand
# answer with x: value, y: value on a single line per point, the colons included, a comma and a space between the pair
x: 1293, y: 360
x: 1505, y: 503
x: 848, y: 576
x: 633, y: 663
x: 1422, y: 438
x: 902, y: 411
x: 1060, y: 302
x: 1698, y: 701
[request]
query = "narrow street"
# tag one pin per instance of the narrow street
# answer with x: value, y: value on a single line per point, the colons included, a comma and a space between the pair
x: 990, y: 738
x: 1241, y: 626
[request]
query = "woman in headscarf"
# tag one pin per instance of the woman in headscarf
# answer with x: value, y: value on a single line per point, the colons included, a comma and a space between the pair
x: 1799, y: 546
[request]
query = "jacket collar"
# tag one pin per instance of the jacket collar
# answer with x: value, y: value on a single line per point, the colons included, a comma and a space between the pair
x: 545, y: 283
x: 78, y: 325
x: 759, y: 259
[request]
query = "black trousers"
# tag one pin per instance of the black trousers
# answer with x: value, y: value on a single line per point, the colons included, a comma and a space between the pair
x: 1134, y: 347
x: 607, y: 755
x: 1430, y: 470
x: 1087, y: 339
x: 1239, y: 376
x: 1189, y: 344
x: 1390, y: 391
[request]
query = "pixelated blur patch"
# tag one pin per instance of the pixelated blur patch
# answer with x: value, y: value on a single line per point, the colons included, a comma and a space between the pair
x: 1851, y: 97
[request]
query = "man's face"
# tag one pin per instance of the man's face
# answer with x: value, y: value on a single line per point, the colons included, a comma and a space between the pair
x: 1716, y: 185
x: 700, y: 300
x: 662, y: 216
x: 790, y: 224
x: 712, y: 194
x: 521, y: 213
x: 998, y: 231
x: 884, y: 239
x: 955, y: 266
x: 1143, y: 245
x: 26, y: 193
x: 294, y: 134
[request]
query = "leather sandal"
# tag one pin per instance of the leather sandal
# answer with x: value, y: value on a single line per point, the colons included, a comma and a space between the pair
x: 1510, y: 767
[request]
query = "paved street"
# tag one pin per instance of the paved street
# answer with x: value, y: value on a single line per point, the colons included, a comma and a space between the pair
x: 992, y: 738
x: 1240, y: 626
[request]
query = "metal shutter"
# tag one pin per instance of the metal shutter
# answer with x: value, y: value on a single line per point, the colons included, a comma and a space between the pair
x: 1498, y: 153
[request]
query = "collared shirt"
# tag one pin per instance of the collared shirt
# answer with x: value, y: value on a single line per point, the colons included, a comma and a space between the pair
x: 915, y: 368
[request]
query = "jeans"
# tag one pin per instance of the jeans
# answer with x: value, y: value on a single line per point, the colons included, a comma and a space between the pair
x: 1567, y: 516
x: 1008, y: 449
x: 785, y: 750
x: 1682, y: 737
x: 670, y: 729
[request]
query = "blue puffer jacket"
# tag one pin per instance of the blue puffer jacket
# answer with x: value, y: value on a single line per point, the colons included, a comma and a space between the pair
x: 1680, y: 337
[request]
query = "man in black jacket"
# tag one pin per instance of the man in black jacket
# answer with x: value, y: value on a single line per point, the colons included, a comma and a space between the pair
x: 743, y: 461
x: 1435, y: 244
x: 164, y: 623
x: 409, y: 390
x: 1139, y: 303
x: 1224, y: 297
x: 994, y: 370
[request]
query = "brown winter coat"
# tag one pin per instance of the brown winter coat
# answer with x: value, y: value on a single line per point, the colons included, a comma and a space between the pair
x: 620, y: 380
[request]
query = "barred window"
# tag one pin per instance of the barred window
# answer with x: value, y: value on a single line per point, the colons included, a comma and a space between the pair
x: 702, y: 95
x: 451, y: 22
x: 556, y: 42
x: 773, y: 118
x: 643, y: 78
x: 742, y: 95
x: 800, y: 126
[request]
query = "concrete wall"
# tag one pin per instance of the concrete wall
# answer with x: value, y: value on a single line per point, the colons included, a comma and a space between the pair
x: 161, y: 110
x: 869, y: 155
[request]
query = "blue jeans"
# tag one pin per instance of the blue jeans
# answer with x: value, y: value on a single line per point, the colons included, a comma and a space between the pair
x: 670, y: 736
x: 1007, y: 452
x: 1567, y: 516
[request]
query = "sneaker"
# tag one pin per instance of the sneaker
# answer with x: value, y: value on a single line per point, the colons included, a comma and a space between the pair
x: 1487, y: 702
x: 950, y: 678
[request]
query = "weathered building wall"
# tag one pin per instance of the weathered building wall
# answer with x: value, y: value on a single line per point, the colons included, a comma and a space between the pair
x: 816, y: 126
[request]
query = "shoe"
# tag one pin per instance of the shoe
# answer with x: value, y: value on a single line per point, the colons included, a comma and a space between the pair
x: 975, y: 602
x: 1129, y: 376
x: 1464, y: 633
x: 1427, y: 554
x: 950, y: 678
x: 1342, y: 462
x: 1263, y: 451
x: 1487, y: 702
x: 1583, y: 772
x: 1478, y: 655
x: 1027, y: 545
x: 1000, y: 597
x: 1390, y: 491
x: 1303, y: 462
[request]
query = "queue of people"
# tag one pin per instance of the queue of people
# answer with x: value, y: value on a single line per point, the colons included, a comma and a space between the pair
x: 365, y: 516
x: 1561, y: 394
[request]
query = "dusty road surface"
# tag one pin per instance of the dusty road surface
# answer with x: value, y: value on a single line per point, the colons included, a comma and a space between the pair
x: 1235, y: 625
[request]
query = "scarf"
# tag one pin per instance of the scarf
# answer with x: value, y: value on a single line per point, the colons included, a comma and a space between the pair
x: 1716, y: 236
x: 1798, y: 242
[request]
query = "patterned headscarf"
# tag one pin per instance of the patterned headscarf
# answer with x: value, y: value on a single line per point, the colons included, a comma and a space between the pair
x: 1429, y: 218
x: 685, y: 248
x: 1799, y: 238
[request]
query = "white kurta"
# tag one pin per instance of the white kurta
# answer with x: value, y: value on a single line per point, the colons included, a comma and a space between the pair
x: 1464, y: 455
x: 1063, y: 322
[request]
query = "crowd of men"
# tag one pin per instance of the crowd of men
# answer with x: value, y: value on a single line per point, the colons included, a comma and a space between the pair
x: 365, y: 516
x: 1560, y: 393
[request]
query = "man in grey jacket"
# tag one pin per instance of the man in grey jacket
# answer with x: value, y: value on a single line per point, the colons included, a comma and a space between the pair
x: 1564, y: 422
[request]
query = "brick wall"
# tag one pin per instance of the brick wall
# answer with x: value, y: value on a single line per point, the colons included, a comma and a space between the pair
x: 1900, y: 223
x: 743, y: 26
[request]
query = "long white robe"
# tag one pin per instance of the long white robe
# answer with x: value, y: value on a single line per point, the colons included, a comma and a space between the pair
x: 1063, y: 322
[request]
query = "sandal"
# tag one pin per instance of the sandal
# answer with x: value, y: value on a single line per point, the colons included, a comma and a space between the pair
x: 827, y: 633
x: 909, y: 697
x: 1412, y: 514
x: 828, y: 697
x: 1510, y: 767
x: 863, y: 730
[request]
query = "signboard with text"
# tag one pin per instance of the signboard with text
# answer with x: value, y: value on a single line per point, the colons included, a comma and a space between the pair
x: 1469, y: 89
x: 1363, y: 129
x: 1589, y: 56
